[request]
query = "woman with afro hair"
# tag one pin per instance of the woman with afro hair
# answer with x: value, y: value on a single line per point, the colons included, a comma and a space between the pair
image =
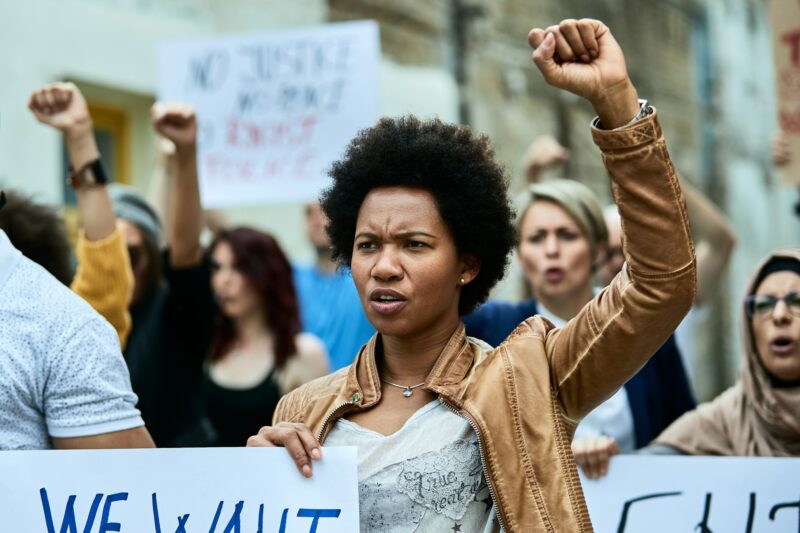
x: 451, y: 434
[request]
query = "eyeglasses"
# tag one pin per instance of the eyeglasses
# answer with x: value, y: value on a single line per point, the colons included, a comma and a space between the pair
x: 762, y: 306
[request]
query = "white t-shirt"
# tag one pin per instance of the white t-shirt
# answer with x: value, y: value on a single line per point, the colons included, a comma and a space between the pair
x: 61, y: 370
x: 613, y: 417
x: 426, y: 478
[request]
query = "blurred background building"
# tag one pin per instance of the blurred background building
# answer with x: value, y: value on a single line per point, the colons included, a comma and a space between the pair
x: 705, y: 64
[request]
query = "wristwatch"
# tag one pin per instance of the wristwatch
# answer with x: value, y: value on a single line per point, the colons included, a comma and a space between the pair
x: 645, y: 110
x: 79, y: 178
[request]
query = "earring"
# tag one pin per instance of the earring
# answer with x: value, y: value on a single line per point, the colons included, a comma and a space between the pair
x: 462, y: 281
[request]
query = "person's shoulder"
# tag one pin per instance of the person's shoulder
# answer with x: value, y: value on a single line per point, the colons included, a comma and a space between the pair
x: 35, y: 296
x: 321, y: 390
x: 310, y: 350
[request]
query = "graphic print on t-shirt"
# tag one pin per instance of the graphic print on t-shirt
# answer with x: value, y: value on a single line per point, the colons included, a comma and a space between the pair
x: 445, y: 482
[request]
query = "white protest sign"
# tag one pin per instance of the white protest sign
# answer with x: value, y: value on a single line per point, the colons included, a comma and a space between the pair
x: 274, y: 110
x: 660, y: 494
x: 188, y: 490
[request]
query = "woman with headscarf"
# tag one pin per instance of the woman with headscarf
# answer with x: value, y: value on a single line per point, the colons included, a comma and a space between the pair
x: 760, y: 414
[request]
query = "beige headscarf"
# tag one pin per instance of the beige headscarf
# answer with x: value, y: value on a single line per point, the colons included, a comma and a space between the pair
x: 752, y: 417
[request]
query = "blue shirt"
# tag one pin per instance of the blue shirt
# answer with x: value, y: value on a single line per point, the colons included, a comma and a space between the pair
x: 331, y: 310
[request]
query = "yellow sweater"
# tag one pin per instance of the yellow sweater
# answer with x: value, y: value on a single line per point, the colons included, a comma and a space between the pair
x: 104, y: 279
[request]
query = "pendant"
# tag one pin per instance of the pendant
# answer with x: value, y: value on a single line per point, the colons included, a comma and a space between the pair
x: 408, y: 392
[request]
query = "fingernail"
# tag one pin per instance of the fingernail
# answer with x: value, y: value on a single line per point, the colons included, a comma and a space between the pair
x: 306, y: 470
x: 585, y: 58
x: 593, y: 53
x: 159, y: 109
x: 315, y: 454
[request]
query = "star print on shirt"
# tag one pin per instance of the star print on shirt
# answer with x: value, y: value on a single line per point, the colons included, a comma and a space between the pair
x: 456, y: 527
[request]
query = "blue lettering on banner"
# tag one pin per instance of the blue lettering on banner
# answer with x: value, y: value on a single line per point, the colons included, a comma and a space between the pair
x: 68, y: 523
x: 316, y: 514
x: 106, y: 525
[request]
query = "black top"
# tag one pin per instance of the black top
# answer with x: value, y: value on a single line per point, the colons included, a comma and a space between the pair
x: 237, y: 414
x: 165, y: 352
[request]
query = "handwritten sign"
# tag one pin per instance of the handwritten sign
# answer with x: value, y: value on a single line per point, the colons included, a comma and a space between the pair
x: 274, y: 110
x: 785, y: 18
x: 222, y: 490
x: 696, y: 494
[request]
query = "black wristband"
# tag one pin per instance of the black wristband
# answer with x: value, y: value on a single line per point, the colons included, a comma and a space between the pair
x: 79, y: 178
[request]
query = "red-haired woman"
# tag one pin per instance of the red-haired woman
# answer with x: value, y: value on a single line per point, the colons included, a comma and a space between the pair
x: 257, y: 351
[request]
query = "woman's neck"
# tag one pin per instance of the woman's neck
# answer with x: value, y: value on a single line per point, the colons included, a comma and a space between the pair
x: 409, y: 360
x: 251, y: 329
x: 567, y: 306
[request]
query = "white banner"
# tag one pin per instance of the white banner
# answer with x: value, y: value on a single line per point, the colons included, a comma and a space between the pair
x: 676, y: 494
x: 275, y: 110
x: 188, y: 490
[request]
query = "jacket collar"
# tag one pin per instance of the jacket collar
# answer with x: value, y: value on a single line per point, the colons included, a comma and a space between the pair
x: 454, y: 362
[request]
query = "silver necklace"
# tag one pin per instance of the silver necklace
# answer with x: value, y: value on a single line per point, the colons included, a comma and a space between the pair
x: 408, y: 390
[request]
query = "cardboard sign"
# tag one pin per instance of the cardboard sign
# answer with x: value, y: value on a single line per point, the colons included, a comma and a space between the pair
x: 188, y: 490
x: 785, y: 18
x: 677, y: 494
x: 274, y: 110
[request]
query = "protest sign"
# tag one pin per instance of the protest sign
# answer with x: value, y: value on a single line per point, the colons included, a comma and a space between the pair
x: 676, y: 494
x: 785, y: 18
x: 188, y: 490
x: 274, y: 110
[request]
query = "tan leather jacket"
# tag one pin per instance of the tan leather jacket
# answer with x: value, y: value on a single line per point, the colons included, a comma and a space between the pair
x: 525, y: 397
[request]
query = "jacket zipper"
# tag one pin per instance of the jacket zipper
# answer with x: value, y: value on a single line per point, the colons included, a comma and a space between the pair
x: 335, y: 411
x: 483, y: 459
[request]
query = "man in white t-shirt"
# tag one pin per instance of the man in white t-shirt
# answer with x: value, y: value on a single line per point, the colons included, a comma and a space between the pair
x: 63, y: 381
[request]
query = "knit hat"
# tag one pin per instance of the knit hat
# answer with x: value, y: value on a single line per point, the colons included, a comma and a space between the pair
x: 131, y: 206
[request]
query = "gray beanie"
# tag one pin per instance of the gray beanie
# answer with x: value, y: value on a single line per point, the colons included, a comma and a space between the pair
x: 131, y: 206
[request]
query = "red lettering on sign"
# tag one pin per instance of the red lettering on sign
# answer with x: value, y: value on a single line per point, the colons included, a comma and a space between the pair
x: 792, y: 39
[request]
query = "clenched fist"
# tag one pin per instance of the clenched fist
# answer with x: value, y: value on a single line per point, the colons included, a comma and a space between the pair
x: 582, y: 57
x: 61, y: 106
x: 176, y: 122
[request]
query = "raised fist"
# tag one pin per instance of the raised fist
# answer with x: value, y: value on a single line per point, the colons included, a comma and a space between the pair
x: 61, y: 106
x: 176, y: 122
x: 582, y: 57
x: 543, y: 153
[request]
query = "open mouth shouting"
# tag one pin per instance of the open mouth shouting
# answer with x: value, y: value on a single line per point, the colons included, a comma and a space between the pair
x: 782, y: 345
x: 387, y: 301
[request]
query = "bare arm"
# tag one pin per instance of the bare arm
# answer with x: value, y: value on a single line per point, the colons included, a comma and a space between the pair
x: 713, y: 237
x: 62, y: 106
x: 184, y: 221
x: 129, y: 438
x: 104, y: 277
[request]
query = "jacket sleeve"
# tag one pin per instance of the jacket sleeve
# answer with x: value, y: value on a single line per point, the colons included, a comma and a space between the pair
x: 618, y: 331
x: 105, y: 280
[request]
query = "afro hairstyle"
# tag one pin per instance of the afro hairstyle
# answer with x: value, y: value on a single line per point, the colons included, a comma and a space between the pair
x: 452, y: 163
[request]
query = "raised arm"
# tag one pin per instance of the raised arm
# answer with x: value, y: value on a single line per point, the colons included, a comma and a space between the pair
x: 104, y: 277
x: 615, y: 334
x: 184, y: 221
